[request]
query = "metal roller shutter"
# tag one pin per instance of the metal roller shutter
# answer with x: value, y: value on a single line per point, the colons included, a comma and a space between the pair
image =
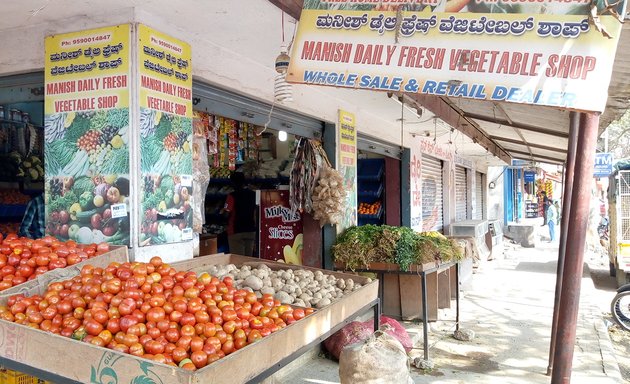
x: 432, y: 192
x: 479, y: 203
x: 461, y: 194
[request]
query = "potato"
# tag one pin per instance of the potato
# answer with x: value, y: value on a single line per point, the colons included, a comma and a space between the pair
x: 268, y: 290
x: 284, y: 297
x: 254, y: 282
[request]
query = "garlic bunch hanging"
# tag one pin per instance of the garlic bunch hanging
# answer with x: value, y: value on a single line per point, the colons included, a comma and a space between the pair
x: 329, y: 197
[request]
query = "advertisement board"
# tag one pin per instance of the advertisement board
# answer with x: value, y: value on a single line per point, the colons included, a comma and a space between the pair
x: 347, y: 166
x: 532, y: 52
x: 165, y: 121
x: 280, y: 230
x: 415, y: 186
x: 603, y: 165
x: 87, y: 77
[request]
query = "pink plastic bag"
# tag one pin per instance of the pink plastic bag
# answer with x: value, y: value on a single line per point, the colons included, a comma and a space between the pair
x: 358, y: 331
x: 350, y: 334
x: 396, y: 330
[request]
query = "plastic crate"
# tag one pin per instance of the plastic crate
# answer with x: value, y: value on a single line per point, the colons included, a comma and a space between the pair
x: 375, y: 216
x: 8, y: 376
x: 371, y: 169
x: 371, y: 193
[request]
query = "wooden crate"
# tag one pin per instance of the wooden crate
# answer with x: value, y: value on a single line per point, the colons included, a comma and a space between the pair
x: 86, y: 363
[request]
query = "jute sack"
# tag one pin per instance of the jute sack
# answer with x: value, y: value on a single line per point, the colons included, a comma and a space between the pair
x: 381, y: 359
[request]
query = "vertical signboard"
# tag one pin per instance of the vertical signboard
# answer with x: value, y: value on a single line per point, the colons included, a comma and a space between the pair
x: 415, y: 186
x: 347, y: 166
x: 165, y: 122
x: 87, y: 135
x: 280, y: 229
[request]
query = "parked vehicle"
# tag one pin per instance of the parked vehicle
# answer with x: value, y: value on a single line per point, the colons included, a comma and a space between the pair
x: 620, y: 307
x: 619, y: 230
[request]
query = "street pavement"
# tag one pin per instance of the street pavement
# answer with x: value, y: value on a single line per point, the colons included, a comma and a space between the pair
x: 509, y: 307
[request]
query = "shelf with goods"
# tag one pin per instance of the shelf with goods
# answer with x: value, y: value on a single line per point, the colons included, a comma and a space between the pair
x: 531, y: 209
x: 370, y: 181
x: 21, y: 166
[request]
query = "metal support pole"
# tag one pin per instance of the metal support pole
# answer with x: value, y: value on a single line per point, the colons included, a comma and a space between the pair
x: 569, y: 171
x: 575, y: 244
x: 425, y: 316
x: 457, y: 296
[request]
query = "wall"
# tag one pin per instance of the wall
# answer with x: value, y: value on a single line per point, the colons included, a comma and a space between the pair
x: 225, y: 53
x: 447, y: 154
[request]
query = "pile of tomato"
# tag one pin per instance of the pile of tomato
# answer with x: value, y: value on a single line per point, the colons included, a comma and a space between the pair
x: 23, y: 259
x: 151, y: 310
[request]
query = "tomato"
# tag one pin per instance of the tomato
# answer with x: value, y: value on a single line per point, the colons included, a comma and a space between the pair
x: 298, y: 313
x: 199, y: 358
x: 184, y: 342
x: 228, y: 347
x: 136, y: 349
x: 188, y: 330
x: 254, y: 336
x: 92, y: 327
x: 188, y: 319
x: 113, y: 325
x: 196, y: 343
x: 156, y: 314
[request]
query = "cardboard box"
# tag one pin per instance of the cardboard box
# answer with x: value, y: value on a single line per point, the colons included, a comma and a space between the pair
x: 207, y: 244
x: 117, y: 253
x: 84, y: 363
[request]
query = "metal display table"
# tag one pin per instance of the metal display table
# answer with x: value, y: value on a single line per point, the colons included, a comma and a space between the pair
x: 382, y: 269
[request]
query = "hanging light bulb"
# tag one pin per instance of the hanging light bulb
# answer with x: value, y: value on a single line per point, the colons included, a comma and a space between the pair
x: 283, y: 92
x: 282, y: 135
x: 282, y: 61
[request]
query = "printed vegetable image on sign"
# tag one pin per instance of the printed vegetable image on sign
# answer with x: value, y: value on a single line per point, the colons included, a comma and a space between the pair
x: 165, y: 88
x: 87, y: 135
x: 555, y: 54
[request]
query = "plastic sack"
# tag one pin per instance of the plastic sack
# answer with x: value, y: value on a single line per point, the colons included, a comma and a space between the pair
x: 380, y: 359
x: 395, y: 329
x: 350, y: 334
x: 358, y: 331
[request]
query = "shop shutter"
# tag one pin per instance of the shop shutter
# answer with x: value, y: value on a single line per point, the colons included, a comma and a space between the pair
x: 241, y: 107
x: 432, y: 193
x: 374, y: 145
x: 479, y: 202
x: 461, y: 194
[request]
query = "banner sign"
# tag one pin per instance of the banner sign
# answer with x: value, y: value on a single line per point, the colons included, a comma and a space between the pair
x: 347, y: 166
x: 532, y: 52
x: 415, y: 186
x: 165, y: 101
x: 86, y: 153
x: 280, y: 230
x: 603, y: 165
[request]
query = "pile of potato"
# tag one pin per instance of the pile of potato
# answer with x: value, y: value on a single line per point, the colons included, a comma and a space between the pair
x: 298, y: 287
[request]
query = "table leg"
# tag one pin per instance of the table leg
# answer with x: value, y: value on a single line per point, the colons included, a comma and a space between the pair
x: 425, y: 315
x: 457, y: 297
x: 377, y: 315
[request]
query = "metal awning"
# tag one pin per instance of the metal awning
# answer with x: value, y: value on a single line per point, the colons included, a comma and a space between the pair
x: 518, y: 131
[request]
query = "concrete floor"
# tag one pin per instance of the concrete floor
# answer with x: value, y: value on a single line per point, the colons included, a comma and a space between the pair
x: 509, y: 307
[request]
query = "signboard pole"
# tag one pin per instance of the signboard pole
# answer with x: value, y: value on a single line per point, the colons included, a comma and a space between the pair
x: 575, y: 245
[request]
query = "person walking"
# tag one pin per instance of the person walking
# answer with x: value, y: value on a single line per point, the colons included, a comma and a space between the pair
x: 552, y: 215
